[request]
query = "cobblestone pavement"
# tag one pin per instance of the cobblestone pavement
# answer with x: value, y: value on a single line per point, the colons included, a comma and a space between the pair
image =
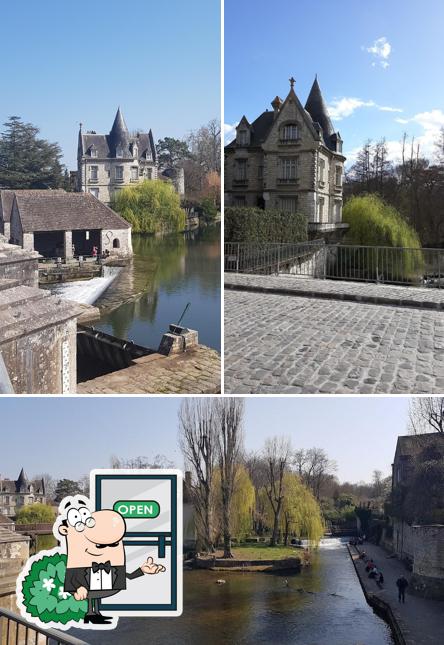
x: 292, y: 344
x: 430, y: 298
x: 420, y: 620
x: 197, y: 371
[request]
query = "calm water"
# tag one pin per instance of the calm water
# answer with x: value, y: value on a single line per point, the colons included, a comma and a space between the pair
x: 163, y: 276
x: 323, y: 605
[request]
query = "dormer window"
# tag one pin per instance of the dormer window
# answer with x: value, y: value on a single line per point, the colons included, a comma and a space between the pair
x: 93, y: 151
x: 135, y: 150
x: 148, y: 155
x: 242, y: 137
x: 289, y: 132
x: 119, y: 151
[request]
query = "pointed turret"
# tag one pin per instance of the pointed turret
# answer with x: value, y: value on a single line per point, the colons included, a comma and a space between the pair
x: 22, y: 481
x: 317, y: 109
x: 119, y: 135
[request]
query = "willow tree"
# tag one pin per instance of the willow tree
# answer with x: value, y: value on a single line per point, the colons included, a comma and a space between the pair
x: 150, y: 206
x: 301, y: 513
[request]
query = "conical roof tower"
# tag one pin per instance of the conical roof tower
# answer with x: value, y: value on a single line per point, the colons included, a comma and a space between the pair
x: 22, y: 481
x: 119, y: 135
x: 317, y: 109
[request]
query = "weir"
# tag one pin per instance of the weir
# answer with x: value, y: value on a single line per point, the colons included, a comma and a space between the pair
x: 87, y: 291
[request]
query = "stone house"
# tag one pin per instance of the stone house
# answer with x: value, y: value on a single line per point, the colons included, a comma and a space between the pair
x: 59, y: 224
x: 108, y: 162
x: 422, y: 545
x: 20, y: 492
x: 290, y: 159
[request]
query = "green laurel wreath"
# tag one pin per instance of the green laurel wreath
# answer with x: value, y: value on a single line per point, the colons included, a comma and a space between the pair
x: 43, y: 593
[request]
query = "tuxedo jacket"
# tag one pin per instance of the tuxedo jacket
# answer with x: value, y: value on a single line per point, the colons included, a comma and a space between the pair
x: 76, y: 577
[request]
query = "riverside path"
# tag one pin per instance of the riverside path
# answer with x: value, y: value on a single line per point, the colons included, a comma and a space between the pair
x: 420, y: 621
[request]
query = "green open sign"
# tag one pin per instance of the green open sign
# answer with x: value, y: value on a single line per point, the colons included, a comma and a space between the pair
x: 137, y: 509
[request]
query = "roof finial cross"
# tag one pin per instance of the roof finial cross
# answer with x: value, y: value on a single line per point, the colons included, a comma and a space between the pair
x: 292, y: 82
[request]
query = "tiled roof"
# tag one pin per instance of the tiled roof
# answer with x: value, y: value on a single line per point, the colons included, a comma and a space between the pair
x: 49, y: 210
x: 21, y: 484
x: 413, y: 444
x: 259, y: 129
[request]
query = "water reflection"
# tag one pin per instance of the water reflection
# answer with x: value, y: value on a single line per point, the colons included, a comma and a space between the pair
x: 163, y: 276
x: 324, y: 605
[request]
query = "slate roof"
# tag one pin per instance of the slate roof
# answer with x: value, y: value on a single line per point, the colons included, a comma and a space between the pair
x: 315, y: 109
x: 21, y: 484
x: 50, y: 210
x: 106, y: 144
x: 411, y: 445
x: 6, y: 201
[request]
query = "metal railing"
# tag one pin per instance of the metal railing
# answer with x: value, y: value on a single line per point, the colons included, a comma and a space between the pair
x: 271, y: 258
x: 15, y: 630
x: 380, y: 264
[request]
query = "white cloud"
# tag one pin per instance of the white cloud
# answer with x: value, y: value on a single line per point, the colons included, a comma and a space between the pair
x: 341, y: 108
x: 431, y: 123
x: 380, y: 50
x: 229, y: 132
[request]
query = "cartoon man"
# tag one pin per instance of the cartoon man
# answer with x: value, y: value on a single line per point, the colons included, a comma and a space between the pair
x: 95, y: 565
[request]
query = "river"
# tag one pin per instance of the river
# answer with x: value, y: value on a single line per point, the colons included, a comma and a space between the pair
x: 152, y: 290
x: 323, y: 605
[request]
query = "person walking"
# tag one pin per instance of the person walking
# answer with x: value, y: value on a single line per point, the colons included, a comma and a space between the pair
x: 402, y: 585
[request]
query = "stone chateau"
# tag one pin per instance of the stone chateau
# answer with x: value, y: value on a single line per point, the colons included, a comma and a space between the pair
x: 289, y: 158
x: 20, y: 492
x: 108, y: 162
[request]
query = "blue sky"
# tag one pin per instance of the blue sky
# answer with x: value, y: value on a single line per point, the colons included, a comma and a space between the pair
x: 378, y: 62
x: 65, y: 62
x: 69, y: 436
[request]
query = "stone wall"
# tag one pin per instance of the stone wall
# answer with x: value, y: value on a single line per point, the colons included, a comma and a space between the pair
x: 428, y: 561
x: 14, y: 552
x: 123, y: 236
x: 16, y: 264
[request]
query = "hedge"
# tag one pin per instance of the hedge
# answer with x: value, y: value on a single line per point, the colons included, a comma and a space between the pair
x: 255, y: 225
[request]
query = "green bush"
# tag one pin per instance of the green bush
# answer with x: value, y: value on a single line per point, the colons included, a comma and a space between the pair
x: 255, y: 225
x: 150, y: 207
x: 43, y: 593
x: 373, y: 222
x: 35, y: 514
x: 209, y: 209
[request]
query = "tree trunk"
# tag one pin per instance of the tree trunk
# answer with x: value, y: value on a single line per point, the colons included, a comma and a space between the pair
x: 226, y: 529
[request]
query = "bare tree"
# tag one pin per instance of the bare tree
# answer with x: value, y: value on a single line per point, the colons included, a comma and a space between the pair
x: 277, y: 454
x: 426, y: 414
x: 230, y: 413
x: 141, y: 462
x: 197, y: 426
x: 205, y: 146
x: 315, y: 468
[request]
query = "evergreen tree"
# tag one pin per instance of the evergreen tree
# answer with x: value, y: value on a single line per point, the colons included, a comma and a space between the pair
x: 26, y: 161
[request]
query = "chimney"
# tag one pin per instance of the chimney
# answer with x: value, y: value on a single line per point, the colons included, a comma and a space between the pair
x: 276, y: 105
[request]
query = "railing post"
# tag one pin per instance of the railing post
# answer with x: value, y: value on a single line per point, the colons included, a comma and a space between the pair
x: 377, y: 268
x: 237, y: 258
x: 279, y: 259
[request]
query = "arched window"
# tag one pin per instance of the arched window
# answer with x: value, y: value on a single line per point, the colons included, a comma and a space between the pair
x: 116, y: 243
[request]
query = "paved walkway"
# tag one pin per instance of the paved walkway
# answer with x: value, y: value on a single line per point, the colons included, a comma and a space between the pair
x: 291, y: 343
x: 421, y: 621
x: 419, y: 297
x: 196, y: 371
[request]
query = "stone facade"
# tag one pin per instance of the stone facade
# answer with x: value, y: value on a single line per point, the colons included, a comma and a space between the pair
x: 107, y: 163
x: 20, y: 492
x: 37, y: 330
x: 14, y: 553
x: 290, y: 159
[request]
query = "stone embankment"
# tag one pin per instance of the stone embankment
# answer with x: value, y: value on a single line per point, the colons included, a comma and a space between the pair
x: 234, y: 564
x: 417, y: 622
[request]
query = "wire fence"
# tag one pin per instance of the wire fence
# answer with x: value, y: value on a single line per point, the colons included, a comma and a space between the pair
x: 381, y: 264
x: 15, y: 630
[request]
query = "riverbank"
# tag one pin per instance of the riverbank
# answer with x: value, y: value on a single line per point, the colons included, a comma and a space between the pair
x: 418, y: 621
x: 253, y: 558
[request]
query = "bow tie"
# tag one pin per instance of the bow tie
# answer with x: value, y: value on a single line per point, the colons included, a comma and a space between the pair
x: 101, y: 567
